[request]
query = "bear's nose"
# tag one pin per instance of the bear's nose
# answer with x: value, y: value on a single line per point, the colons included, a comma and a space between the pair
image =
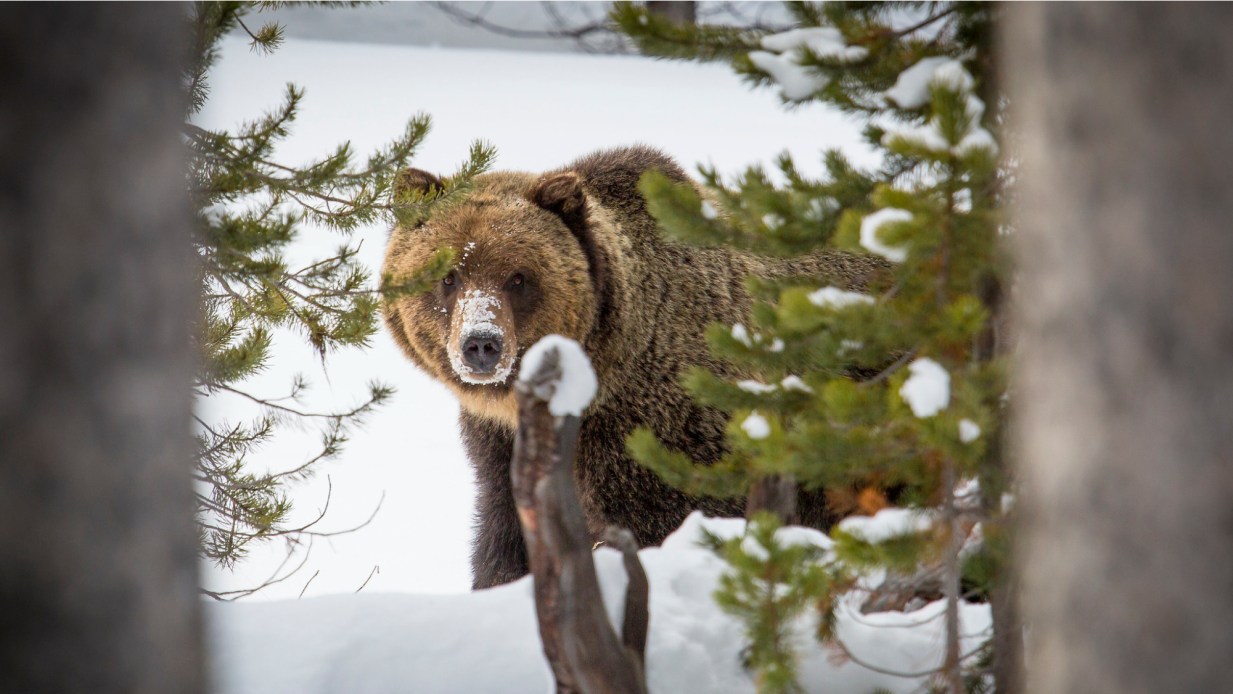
x: 482, y: 352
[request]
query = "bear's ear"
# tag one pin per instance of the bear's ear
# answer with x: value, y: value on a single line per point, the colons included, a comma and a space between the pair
x: 416, y: 180
x: 561, y: 194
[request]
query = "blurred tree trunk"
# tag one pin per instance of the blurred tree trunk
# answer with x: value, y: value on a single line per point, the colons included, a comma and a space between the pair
x: 1126, y: 313
x: 676, y: 10
x: 98, y: 570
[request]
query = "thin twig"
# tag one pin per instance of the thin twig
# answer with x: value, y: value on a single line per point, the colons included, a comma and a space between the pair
x: 376, y: 569
x: 310, y: 580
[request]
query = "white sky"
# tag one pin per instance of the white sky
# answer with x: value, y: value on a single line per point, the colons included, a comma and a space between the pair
x: 541, y: 110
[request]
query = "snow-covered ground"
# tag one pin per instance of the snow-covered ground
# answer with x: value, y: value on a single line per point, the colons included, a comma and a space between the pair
x: 487, y: 641
x: 541, y: 110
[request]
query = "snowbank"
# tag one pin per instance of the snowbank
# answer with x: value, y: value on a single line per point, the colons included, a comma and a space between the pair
x: 487, y: 641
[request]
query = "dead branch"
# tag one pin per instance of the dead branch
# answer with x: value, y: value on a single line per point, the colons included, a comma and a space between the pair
x: 899, y: 592
x: 637, y: 593
x: 579, y: 642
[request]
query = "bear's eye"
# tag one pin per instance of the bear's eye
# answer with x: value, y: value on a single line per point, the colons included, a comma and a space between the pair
x: 448, y: 280
x: 517, y: 280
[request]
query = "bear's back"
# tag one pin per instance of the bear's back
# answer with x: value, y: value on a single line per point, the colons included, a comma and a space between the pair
x: 612, y: 175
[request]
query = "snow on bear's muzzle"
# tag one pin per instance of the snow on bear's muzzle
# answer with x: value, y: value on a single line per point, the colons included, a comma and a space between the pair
x: 481, y: 345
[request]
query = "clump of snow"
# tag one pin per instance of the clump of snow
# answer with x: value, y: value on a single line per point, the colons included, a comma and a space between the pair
x: 927, y: 390
x: 577, y: 385
x: 756, y: 426
x: 741, y: 335
x: 834, y: 297
x: 928, y: 136
x: 488, y: 641
x: 975, y: 139
x: 886, y: 524
x: 946, y: 74
x: 794, y: 382
x: 708, y: 210
x: 753, y: 548
x: 757, y: 387
x: 825, y: 42
x: 475, y: 312
x: 873, y: 222
x: 952, y: 75
x: 797, y: 81
x: 911, y: 90
x: 969, y: 431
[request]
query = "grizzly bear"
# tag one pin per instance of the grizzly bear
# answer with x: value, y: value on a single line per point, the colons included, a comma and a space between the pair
x: 574, y: 252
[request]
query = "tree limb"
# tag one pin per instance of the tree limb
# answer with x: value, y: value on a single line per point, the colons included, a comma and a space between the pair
x: 579, y: 642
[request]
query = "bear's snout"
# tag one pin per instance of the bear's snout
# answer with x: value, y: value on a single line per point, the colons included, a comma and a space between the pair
x: 482, y: 352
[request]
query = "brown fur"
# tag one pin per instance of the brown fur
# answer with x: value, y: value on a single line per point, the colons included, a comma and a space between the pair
x: 599, y: 271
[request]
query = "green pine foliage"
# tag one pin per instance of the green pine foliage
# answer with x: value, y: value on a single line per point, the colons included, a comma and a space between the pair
x: 250, y: 208
x: 773, y: 582
x: 835, y: 367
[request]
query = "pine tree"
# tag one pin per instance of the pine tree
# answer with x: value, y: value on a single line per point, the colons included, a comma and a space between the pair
x: 898, y: 388
x: 250, y: 208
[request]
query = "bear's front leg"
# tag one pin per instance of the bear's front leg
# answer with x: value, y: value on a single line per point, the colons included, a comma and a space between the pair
x: 498, y: 554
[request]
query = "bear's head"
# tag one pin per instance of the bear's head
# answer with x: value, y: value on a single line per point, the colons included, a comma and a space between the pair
x: 525, y: 267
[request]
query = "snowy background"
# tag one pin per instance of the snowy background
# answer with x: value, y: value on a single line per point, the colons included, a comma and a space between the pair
x: 541, y: 107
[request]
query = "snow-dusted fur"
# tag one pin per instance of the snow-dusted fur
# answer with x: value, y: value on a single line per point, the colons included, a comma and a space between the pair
x: 594, y: 268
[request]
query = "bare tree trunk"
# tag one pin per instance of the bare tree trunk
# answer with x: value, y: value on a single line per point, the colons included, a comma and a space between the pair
x: 1007, y: 634
x: 98, y: 569
x: 776, y: 494
x: 678, y: 11
x: 1126, y: 317
x: 579, y: 642
x: 952, y: 665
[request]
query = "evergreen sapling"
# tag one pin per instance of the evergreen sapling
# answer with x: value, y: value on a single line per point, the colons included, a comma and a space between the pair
x: 899, y: 389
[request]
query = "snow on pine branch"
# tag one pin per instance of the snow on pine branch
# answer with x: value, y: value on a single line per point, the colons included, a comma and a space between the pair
x: 913, y: 90
x: 927, y: 390
x: 872, y: 224
x: 799, y: 82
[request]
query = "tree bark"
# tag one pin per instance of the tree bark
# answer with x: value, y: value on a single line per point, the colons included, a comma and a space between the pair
x: 579, y: 642
x: 775, y: 494
x: 98, y: 569
x: 678, y: 11
x: 1126, y: 318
